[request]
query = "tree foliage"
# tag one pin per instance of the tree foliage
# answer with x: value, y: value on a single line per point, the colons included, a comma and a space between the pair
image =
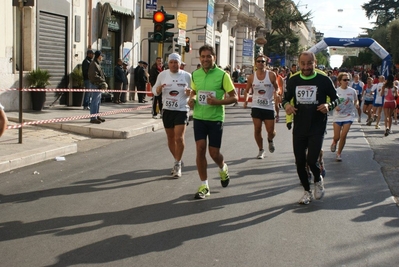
x: 283, y: 14
x: 385, y: 10
x: 394, y: 40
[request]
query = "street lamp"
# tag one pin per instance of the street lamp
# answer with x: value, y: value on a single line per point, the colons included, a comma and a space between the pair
x: 286, y: 44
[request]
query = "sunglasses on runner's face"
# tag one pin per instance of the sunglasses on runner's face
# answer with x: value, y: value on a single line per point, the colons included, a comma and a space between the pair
x: 260, y: 61
x: 345, y: 80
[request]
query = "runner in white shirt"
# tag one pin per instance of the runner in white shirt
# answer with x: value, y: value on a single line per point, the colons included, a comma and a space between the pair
x: 378, y: 101
x: 174, y: 85
x: 344, y: 113
x: 263, y: 84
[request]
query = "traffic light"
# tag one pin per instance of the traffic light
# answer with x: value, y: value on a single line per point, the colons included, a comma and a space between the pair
x: 187, y: 47
x: 177, y: 46
x: 160, y: 18
x: 167, y: 25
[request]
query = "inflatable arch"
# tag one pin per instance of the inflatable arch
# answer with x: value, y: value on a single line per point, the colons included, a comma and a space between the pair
x: 386, y: 67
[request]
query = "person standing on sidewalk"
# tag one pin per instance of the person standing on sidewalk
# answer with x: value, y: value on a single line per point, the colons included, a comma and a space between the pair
x: 119, y: 79
x: 174, y: 86
x: 97, y: 78
x: 156, y: 68
x: 85, y: 70
x: 3, y: 120
x: 210, y: 85
x: 344, y: 113
x: 141, y: 81
x: 309, y: 90
x: 263, y: 84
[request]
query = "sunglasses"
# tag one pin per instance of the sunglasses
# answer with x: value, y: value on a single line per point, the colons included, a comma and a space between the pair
x: 346, y: 80
x: 261, y: 61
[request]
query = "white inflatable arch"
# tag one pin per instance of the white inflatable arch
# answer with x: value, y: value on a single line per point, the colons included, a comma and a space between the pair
x: 386, y: 67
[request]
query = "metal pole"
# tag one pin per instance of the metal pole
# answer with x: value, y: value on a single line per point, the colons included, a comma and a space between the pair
x: 21, y: 66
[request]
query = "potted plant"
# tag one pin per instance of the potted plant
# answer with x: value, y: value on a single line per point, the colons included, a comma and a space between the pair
x: 38, y: 79
x: 77, y: 83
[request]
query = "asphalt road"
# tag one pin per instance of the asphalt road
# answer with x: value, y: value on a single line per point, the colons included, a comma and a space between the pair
x: 117, y: 206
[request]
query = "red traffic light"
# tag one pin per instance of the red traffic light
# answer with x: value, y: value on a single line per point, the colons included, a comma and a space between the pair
x: 158, y: 16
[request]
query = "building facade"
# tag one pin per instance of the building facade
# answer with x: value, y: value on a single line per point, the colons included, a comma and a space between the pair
x: 56, y: 35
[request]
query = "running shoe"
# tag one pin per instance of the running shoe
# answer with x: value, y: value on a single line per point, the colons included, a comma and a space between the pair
x: 271, y: 146
x: 261, y: 154
x: 390, y: 131
x: 224, y: 176
x: 386, y: 132
x: 369, y: 122
x: 203, y: 191
x: 173, y: 168
x: 359, y: 120
x: 395, y: 122
x: 377, y: 126
x: 177, y: 171
x: 333, y: 147
x: 306, y: 198
x: 319, y: 189
x: 155, y: 117
x: 338, y: 158
x: 322, y: 171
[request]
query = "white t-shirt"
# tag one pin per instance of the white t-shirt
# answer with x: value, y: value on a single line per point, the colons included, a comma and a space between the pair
x: 263, y: 93
x: 1, y: 107
x: 347, y: 107
x: 173, y: 93
x: 377, y: 93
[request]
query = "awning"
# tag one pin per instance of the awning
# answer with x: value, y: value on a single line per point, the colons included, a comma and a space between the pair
x: 104, y: 13
x: 120, y: 9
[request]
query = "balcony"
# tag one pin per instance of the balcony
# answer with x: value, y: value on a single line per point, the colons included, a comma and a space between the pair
x: 233, y: 4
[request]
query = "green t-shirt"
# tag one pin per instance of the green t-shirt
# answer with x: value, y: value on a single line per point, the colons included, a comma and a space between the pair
x: 214, y: 82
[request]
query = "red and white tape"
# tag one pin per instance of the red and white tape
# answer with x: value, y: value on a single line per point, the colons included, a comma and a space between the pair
x: 72, y: 90
x: 77, y: 117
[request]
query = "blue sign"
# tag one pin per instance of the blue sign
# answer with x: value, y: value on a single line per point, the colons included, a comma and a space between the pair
x: 248, y: 48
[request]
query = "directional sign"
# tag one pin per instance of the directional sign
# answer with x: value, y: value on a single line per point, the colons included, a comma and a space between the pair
x: 182, y: 20
x: 344, y: 51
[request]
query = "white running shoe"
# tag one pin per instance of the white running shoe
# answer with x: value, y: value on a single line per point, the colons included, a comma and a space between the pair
x: 306, y: 198
x: 177, y: 171
x: 319, y: 189
x: 338, y: 158
x: 261, y: 154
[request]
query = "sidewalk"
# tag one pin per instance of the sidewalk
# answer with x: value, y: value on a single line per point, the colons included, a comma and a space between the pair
x: 41, y: 143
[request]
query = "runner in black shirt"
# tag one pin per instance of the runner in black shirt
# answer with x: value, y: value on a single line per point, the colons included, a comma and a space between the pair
x: 309, y: 88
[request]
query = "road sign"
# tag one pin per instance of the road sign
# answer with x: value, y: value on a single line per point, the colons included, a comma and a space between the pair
x: 181, y: 39
x: 182, y: 20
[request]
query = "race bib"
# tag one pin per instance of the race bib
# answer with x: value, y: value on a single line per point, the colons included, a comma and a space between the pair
x: 306, y: 94
x: 203, y: 95
x: 171, y: 103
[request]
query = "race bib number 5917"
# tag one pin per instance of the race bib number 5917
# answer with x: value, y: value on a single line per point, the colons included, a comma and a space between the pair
x: 306, y: 94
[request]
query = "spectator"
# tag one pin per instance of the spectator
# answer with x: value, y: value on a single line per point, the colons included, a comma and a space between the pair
x: 125, y: 84
x: 97, y: 78
x: 85, y: 70
x: 141, y: 81
x: 156, y: 68
x: 120, y: 79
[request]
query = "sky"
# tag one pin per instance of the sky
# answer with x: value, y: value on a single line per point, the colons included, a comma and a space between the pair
x: 329, y: 20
